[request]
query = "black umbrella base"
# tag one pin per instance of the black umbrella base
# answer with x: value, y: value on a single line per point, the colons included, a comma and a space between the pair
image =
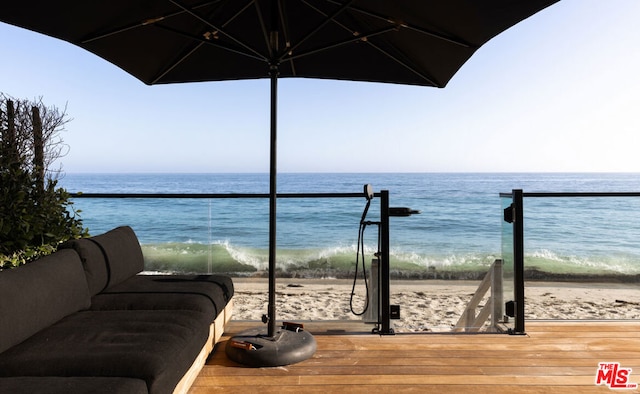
x: 254, y: 348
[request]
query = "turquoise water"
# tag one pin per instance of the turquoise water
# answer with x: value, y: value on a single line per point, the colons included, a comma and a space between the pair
x: 457, y: 235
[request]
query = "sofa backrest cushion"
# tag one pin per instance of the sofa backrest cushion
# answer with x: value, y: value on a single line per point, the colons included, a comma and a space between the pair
x: 93, y: 261
x: 38, y: 294
x: 122, y: 252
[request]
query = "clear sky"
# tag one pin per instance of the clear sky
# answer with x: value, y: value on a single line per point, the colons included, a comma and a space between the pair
x: 558, y: 92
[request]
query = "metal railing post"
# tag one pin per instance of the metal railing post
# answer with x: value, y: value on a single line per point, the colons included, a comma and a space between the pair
x: 518, y: 260
x: 385, y: 292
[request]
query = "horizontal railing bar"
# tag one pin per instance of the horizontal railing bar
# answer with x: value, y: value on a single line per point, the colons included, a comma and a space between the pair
x: 583, y: 194
x: 576, y: 194
x: 216, y: 195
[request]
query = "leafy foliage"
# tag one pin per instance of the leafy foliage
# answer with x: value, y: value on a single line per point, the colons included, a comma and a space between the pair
x: 35, y: 215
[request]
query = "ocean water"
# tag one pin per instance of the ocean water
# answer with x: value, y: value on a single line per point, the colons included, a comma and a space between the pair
x: 457, y: 235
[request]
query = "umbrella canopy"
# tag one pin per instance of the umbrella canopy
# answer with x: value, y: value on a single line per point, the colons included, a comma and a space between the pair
x: 416, y: 42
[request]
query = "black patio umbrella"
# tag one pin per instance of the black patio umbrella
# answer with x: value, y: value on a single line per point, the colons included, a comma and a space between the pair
x: 416, y: 42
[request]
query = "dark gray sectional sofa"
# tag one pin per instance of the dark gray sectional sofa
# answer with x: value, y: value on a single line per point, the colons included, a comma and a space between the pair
x: 83, y: 320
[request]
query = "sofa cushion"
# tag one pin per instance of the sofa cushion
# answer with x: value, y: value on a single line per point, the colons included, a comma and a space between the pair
x: 38, y: 294
x: 93, y: 261
x: 122, y: 252
x: 156, y: 346
x: 67, y: 385
x: 209, y: 294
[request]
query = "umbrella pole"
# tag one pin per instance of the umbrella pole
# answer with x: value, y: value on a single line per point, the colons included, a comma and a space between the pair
x: 289, y: 344
x: 273, y: 166
x: 273, y: 171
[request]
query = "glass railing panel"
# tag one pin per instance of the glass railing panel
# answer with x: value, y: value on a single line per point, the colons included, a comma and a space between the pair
x: 184, y: 235
x: 582, y: 258
x: 506, y: 237
x: 439, y: 258
x: 187, y: 227
x: 316, y: 247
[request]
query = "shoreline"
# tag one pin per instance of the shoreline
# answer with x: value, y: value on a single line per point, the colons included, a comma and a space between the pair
x: 530, y: 275
x: 431, y: 305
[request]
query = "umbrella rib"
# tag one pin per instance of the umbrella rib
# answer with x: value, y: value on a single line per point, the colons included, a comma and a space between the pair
x: 202, y: 40
x: 422, y: 75
x: 320, y: 26
x: 319, y: 11
x: 263, y: 28
x: 220, y: 30
x: 146, y: 22
x: 175, y: 64
x: 362, y: 37
x: 284, y: 24
x: 200, y: 43
x: 440, y: 36
x: 365, y: 38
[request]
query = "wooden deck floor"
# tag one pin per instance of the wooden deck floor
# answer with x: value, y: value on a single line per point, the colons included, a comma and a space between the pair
x: 554, y: 357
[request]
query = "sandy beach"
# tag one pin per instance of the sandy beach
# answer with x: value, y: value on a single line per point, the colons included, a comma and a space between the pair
x: 431, y: 306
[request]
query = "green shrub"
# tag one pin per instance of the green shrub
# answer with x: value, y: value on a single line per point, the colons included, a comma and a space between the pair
x: 33, y: 222
x: 35, y: 215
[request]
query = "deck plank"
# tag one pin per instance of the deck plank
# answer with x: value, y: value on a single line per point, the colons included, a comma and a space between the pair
x: 553, y: 357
